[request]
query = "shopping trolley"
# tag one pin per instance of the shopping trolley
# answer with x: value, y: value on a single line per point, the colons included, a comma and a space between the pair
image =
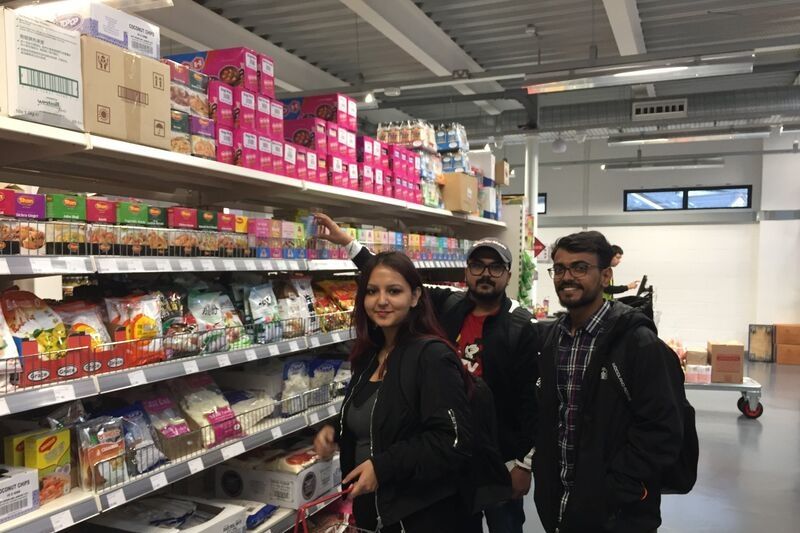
x: 304, y: 511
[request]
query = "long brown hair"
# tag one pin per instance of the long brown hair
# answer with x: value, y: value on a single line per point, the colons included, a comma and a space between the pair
x: 420, y: 322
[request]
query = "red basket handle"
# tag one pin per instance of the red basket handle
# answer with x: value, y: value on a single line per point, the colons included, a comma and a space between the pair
x: 302, y: 512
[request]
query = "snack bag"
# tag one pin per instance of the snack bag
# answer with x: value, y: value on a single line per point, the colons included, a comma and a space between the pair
x: 330, y: 315
x: 140, y: 317
x: 28, y: 317
x: 179, y: 328
x: 165, y: 416
x: 9, y: 358
x: 292, y: 309
x: 217, y: 321
x: 263, y: 306
x: 143, y: 455
x: 102, y: 453
x: 342, y: 292
x: 303, y: 288
x: 84, y: 318
x: 202, y: 401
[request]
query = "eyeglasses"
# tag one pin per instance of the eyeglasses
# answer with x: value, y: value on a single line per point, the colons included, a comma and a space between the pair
x: 477, y: 268
x: 577, y: 270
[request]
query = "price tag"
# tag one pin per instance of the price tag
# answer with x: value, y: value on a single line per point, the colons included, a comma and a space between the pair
x: 116, y: 498
x: 163, y: 265
x: 281, y: 265
x: 277, y: 432
x: 249, y: 264
x: 64, y: 393
x: 196, y: 465
x: 224, y: 360
x: 159, y: 480
x: 41, y: 266
x: 232, y: 451
x: 331, y: 410
x: 186, y: 265
x: 4, y: 410
x: 137, y: 377
x: 251, y: 355
x: 190, y: 367
x: 273, y: 349
x: 314, y: 342
x: 229, y: 265
x: 4, y: 267
x: 337, y: 337
x: 313, y: 418
x: 135, y: 265
x: 207, y: 265
x: 61, y: 520
x: 293, y: 346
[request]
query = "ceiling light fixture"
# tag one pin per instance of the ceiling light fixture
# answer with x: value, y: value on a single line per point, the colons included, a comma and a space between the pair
x: 690, y: 136
x: 369, y: 98
x: 650, y: 72
x: 559, y: 146
x: 667, y: 164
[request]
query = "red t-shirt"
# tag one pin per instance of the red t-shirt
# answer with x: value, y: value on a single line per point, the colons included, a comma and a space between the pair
x: 470, y: 344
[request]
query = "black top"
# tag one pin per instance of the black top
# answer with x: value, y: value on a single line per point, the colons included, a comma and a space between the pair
x: 358, y: 419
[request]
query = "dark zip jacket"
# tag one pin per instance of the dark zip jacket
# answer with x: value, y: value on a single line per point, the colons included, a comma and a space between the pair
x: 420, y: 428
x: 510, y: 345
x: 629, y: 429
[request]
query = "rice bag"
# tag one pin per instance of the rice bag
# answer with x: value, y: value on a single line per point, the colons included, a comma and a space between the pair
x: 292, y: 309
x: 303, y: 288
x: 202, y: 401
x: 143, y: 454
x: 217, y: 322
x: 102, y: 453
x: 296, y: 382
x: 165, y: 417
x: 322, y: 373
x: 249, y: 407
x: 263, y: 307
x: 140, y: 317
x: 84, y: 318
x: 28, y: 317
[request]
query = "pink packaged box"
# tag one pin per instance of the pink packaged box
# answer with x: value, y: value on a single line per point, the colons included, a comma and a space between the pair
x: 289, y: 160
x: 351, y: 145
x: 263, y: 115
x: 265, y: 153
x: 335, y: 107
x: 277, y: 157
x: 365, y: 149
x: 266, y: 76
x: 220, y: 101
x: 276, y: 123
x: 308, y: 132
x: 352, y: 175
x: 333, y: 139
x: 322, y: 168
x: 336, y: 171
x: 245, y: 144
x: 29, y: 206
x: 244, y: 108
x: 378, y: 181
x: 382, y: 153
x: 312, y: 166
x: 366, y: 176
x: 225, y: 148
x: 259, y: 227
x: 301, y: 167
x: 417, y: 195
x: 7, y: 207
x: 233, y: 66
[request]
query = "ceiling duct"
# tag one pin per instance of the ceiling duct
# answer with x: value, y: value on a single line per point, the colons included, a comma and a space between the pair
x: 659, y: 109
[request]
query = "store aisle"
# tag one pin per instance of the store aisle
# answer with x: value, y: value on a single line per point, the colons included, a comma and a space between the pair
x: 748, y: 479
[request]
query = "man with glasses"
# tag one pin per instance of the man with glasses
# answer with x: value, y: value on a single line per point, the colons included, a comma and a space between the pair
x: 497, y: 342
x: 609, y: 408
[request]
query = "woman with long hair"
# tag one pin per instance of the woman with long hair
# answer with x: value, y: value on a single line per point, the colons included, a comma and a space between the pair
x: 404, y: 428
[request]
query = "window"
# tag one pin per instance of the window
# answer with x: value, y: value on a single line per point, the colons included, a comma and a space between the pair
x: 688, y: 198
x: 541, y: 204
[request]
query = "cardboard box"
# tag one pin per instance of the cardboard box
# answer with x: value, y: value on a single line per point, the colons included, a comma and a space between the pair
x: 276, y: 122
x: 312, y: 166
x: 226, y: 222
x: 787, y: 334
x: 266, y: 76
x: 333, y: 139
x: 788, y: 354
x: 285, y: 489
x: 277, y: 157
x: 727, y: 362
x: 697, y: 357
x: 502, y: 173
x: 485, y: 161
x: 101, y: 210
x: 245, y: 149
x: 102, y: 22
x: 308, y: 132
x: 19, y: 491
x: 203, y: 135
x: 337, y: 108
x: 14, y: 447
x: 244, y: 108
x: 241, y: 224
x: 7, y: 202
x: 180, y: 140
x: 225, y: 147
x: 365, y: 151
x: 156, y: 217
x: 125, y: 96
x: 133, y: 213
x: 49, y: 454
x: 220, y: 103
x: 301, y: 167
x: 264, y: 153
x: 188, y: 90
x: 379, y: 182
x: 207, y: 219
x: 366, y: 178
x: 264, y: 115
x: 289, y: 160
x: 460, y: 192
x: 182, y: 217
x: 761, y: 343
x: 46, y: 85
x: 336, y: 171
x: 66, y: 207
x: 232, y: 66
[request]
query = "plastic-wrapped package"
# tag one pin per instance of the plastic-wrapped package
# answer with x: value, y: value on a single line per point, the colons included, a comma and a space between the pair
x: 165, y: 416
x: 292, y: 309
x: 84, y: 318
x: 28, y: 317
x: 306, y: 294
x: 179, y: 327
x: 330, y: 315
x: 342, y: 292
x: 322, y: 373
x: 296, y: 382
x: 257, y: 512
x: 249, y: 407
x: 203, y: 402
x: 102, y: 452
x: 9, y: 358
x: 140, y: 317
x: 220, y: 327
x: 294, y: 461
x: 143, y: 454
x: 263, y: 307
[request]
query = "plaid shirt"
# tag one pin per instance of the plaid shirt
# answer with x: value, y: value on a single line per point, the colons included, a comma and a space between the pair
x: 574, y: 354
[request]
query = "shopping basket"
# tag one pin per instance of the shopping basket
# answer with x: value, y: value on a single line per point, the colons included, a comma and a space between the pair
x: 301, y: 520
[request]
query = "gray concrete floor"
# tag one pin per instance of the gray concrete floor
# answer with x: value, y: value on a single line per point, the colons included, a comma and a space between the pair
x: 749, y: 471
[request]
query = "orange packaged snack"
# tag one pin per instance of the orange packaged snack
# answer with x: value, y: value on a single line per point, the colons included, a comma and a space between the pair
x: 49, y: 453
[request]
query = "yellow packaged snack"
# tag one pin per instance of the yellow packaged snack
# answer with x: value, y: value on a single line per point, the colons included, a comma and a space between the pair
x: 49, y: 453
x: 14, y: 447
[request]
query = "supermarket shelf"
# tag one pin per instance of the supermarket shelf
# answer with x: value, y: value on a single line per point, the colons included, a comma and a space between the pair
x: 27, y: 399
x: 439, y: 264
x: 45, y: 155
x: 40, y: 266
x: 315, y: 265
x: 485, y: 221
x: 115, y: 265
x: 79, y: 505
x: 283, y: 519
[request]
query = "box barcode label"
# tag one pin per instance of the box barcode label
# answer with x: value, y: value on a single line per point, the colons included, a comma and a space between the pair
x: 18, y: 503
x: 143, y: 47
x: 48, y: 82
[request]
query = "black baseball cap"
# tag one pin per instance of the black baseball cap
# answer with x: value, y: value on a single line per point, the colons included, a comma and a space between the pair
x: 493, y: 244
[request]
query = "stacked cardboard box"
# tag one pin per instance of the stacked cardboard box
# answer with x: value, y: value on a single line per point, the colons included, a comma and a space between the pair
x: 787, y: 341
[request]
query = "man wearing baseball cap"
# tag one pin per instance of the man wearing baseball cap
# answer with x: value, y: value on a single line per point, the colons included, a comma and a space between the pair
x: 497, y: 342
